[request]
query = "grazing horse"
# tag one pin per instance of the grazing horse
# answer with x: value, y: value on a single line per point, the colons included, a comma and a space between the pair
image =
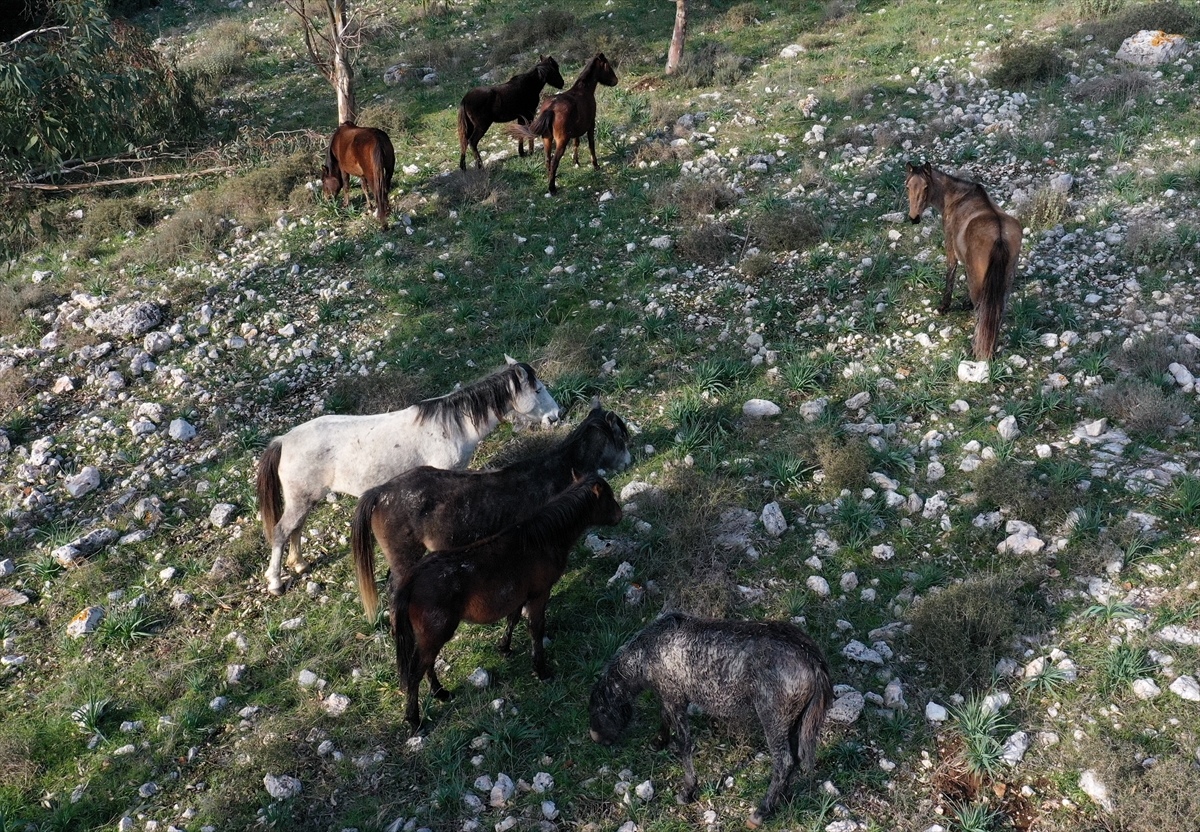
x: 433, y: 509
x: 365, y: 152
x: 491, y: 579
x: 349, y: 454
x: 735, y: 671
x: 569, y: 115
x: 984, y: 238
x: 516, y: 98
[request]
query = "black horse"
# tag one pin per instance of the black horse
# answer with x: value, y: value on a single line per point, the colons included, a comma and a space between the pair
x: 735, y: 671
x: 516, y: 98
x: 432, y: 509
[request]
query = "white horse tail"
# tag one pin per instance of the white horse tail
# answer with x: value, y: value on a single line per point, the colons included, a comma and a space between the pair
x: 362, y: 546
x: 270, y: 494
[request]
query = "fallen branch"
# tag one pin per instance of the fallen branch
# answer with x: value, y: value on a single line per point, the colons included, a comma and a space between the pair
x: 162, y: 177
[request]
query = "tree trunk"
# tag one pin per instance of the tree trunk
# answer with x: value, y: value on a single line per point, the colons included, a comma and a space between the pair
x: 676, y: 50
x: 343, y: 73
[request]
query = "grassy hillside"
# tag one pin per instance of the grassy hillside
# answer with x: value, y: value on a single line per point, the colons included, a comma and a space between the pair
x: 743, y: 238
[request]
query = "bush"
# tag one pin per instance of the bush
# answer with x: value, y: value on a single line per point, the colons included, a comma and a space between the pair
x: 697, y: 195
x: 1148, y: 358
x: 1114, y: 89
x: 109, y: 217
x: 390, y: 117
x: 708, y: 244
x: 845, y: 464
x: 1026, y: 64
x: 1009, y: 485
x: 222, y: 55
x: 710, y: 65
x: 1047, y: 209
x: 1169, y: 17
x: 782, y: 226
x: 538, y: 29
x: 961, y: 631
x: 1141, y: 406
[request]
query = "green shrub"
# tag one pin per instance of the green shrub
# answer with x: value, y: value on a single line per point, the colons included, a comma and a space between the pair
x: 221, y: 56
x: 1141, y: 406
x: 709, y: 65
x: 1024, y: 64
x: 1171, y: 18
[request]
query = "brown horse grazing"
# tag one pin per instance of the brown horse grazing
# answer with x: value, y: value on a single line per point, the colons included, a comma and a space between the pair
x: 365, y: 152
x: 494, y: 578
x: 432, y: 508
x: 516, y: 98
x: 569, y: 115
x: 978, y: 233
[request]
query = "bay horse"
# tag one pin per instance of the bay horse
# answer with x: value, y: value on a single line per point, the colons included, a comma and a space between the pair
x: 491, y: 579
x: 978, y: 234
x: 349, y: 454
x: 433, y: 509
x: 517, y: 98
x: 569, y: 115
x: 735, y: 671
x: 365, y: 152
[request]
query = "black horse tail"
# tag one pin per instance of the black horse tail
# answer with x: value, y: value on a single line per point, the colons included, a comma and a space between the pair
x: 270, y: 494
x: 362, y: 547
x: 540, y: 128
x: 464, y: 128
x: 406, y: 639
x: 813, y: 717
x: 382, y: 208
x: 991, y: 305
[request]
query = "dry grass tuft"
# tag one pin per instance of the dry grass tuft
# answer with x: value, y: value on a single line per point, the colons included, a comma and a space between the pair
x: 1148, y: 358
x: 845, y: 464
x: 738, y: 17
x: 710, y: 65
x: 781, y: 226
x: 1047, y: 209
x: 1140, y: 405
x: 695, y: 195
x: 1114, y: 89
x: 707, y: 244
x: 221, y: 56
x: 1110, y: 31
x: 539, y: 29
x: 383, y: 393
x: 473, y: 186
x: 961, y: 631
x: 1024, y: 64
x: 1008, y: 485
x: 1159, y: 798
x: 12, y: 391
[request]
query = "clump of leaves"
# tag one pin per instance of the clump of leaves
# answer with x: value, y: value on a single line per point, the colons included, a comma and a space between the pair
x: 1123, y: 665
x: 982, y: 727
x: 1182, y: 502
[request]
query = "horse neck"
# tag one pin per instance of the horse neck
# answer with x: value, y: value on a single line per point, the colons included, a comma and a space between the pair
x: 939, y: 184
x: 473, y: 432
x: 629, y: 666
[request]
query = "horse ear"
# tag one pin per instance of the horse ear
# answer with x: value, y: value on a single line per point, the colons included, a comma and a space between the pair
x: 908, y: 168
x: 596, y: 489
x: 928, y: 168
x: 509, y: 360
x: 595, y: 402
x: 575, y: 477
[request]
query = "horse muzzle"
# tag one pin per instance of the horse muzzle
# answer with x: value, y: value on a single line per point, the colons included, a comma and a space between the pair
x: 915, y: 220
x: 595, y: 735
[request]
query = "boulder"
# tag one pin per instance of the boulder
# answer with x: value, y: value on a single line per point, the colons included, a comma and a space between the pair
x: 1151, y: 47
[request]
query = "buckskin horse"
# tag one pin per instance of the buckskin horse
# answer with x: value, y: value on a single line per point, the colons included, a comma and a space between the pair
x: 365, y: 152
x: 978, y: 234
x: 516, y: 98
x: 569, y: 115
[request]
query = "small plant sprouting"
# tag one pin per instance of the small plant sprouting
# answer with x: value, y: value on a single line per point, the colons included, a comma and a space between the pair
x: 975, y: 817
x: 788, y: 472
x: 1046, y: 683
x: 126, y: 627
x: 1110, y: 610
x: 90, y: 714
x: 1124, y: 665
x: 1183, y: 503
x: 980, y: 724
x: 803, y: 375
x: 45, y: 568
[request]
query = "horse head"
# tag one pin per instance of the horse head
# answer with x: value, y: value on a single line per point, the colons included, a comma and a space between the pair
x: 916, y: 182
x: 331, y: 184
x: 532, y: 402
x: 603, y: 70
x: 549, y: 73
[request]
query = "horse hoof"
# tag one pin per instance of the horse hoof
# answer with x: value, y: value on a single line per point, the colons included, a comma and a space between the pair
x: 443, y: 695
x: 299, y: 568
x: 754, y: 821
x: 275, y: 587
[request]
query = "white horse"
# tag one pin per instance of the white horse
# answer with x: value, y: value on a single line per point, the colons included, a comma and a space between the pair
x: 350, y: 454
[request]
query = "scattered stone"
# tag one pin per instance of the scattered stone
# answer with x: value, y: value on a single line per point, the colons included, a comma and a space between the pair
x: 859, y: 652
x: 479, y: 678
x: 306, y: 679
x: 282, y: 786
x: 1146, y: 689
x: 501, y: 791
x: 818, y: 585
x: 1007, y: 428
x: 86, y: 621
x: 645, y: 791
x: 813, y: 410
x: 883, y: 551
x: 1151, y: 47
x: 181, y: 430
x: 661, y: 243
x: 973, y: 372
x: 760, y: 409
x: 935, y: 712
x: 1186, y: 687
x: 126, y: 321
x: 549, y: 810
x: 846, y: 708
x: 893, y: 696
x: 542, y: 782
x: 222, y: 514
x: 773, y: 520
x: 994, y: 702
x: 1091, y: 785
x: 86, y: 480
x: 1179, y: 634
x: 858, y: 400
x: 335, y: 704
x: 1014, y: 748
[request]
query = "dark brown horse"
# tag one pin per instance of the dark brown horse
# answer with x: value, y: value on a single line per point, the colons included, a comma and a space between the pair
x: 569, y: 115
x: 494, y: 578
x: 365, y: 152
x: 433, y: 508
x: 984, y: 238
x: 516, y: 98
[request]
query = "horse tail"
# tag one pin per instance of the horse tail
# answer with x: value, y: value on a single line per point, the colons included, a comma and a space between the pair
x: 362, y: 546
x: 991, y: 305
x: 382, y: 207
x: 813, y: 717
x: 541, y: 127
x: 270, y: 494
x: 463, y: 129
x: 406, y: 639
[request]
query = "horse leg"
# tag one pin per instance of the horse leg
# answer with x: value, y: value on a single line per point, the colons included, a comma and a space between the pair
x: 783, y: 760
x: 576, y: 151
x: 476, y: 138
x: 951, y: 269
x: 435, y: 686
x: 592, y: 147
x: 345, y: 178
x: 675, y: 719
x: 287, y: 534
x: 559, y: 150
x: 536, y: 609
x: 522, y: 120
x: 505, y: 645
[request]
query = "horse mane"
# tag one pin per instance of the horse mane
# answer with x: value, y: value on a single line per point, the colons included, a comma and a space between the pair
x: 560, y: 514
x: 587, y: 68
x: 477, y: 401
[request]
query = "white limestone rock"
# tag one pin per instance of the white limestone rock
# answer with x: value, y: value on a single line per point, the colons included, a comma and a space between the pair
x: 282, y: 786
x: 760, y: 409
